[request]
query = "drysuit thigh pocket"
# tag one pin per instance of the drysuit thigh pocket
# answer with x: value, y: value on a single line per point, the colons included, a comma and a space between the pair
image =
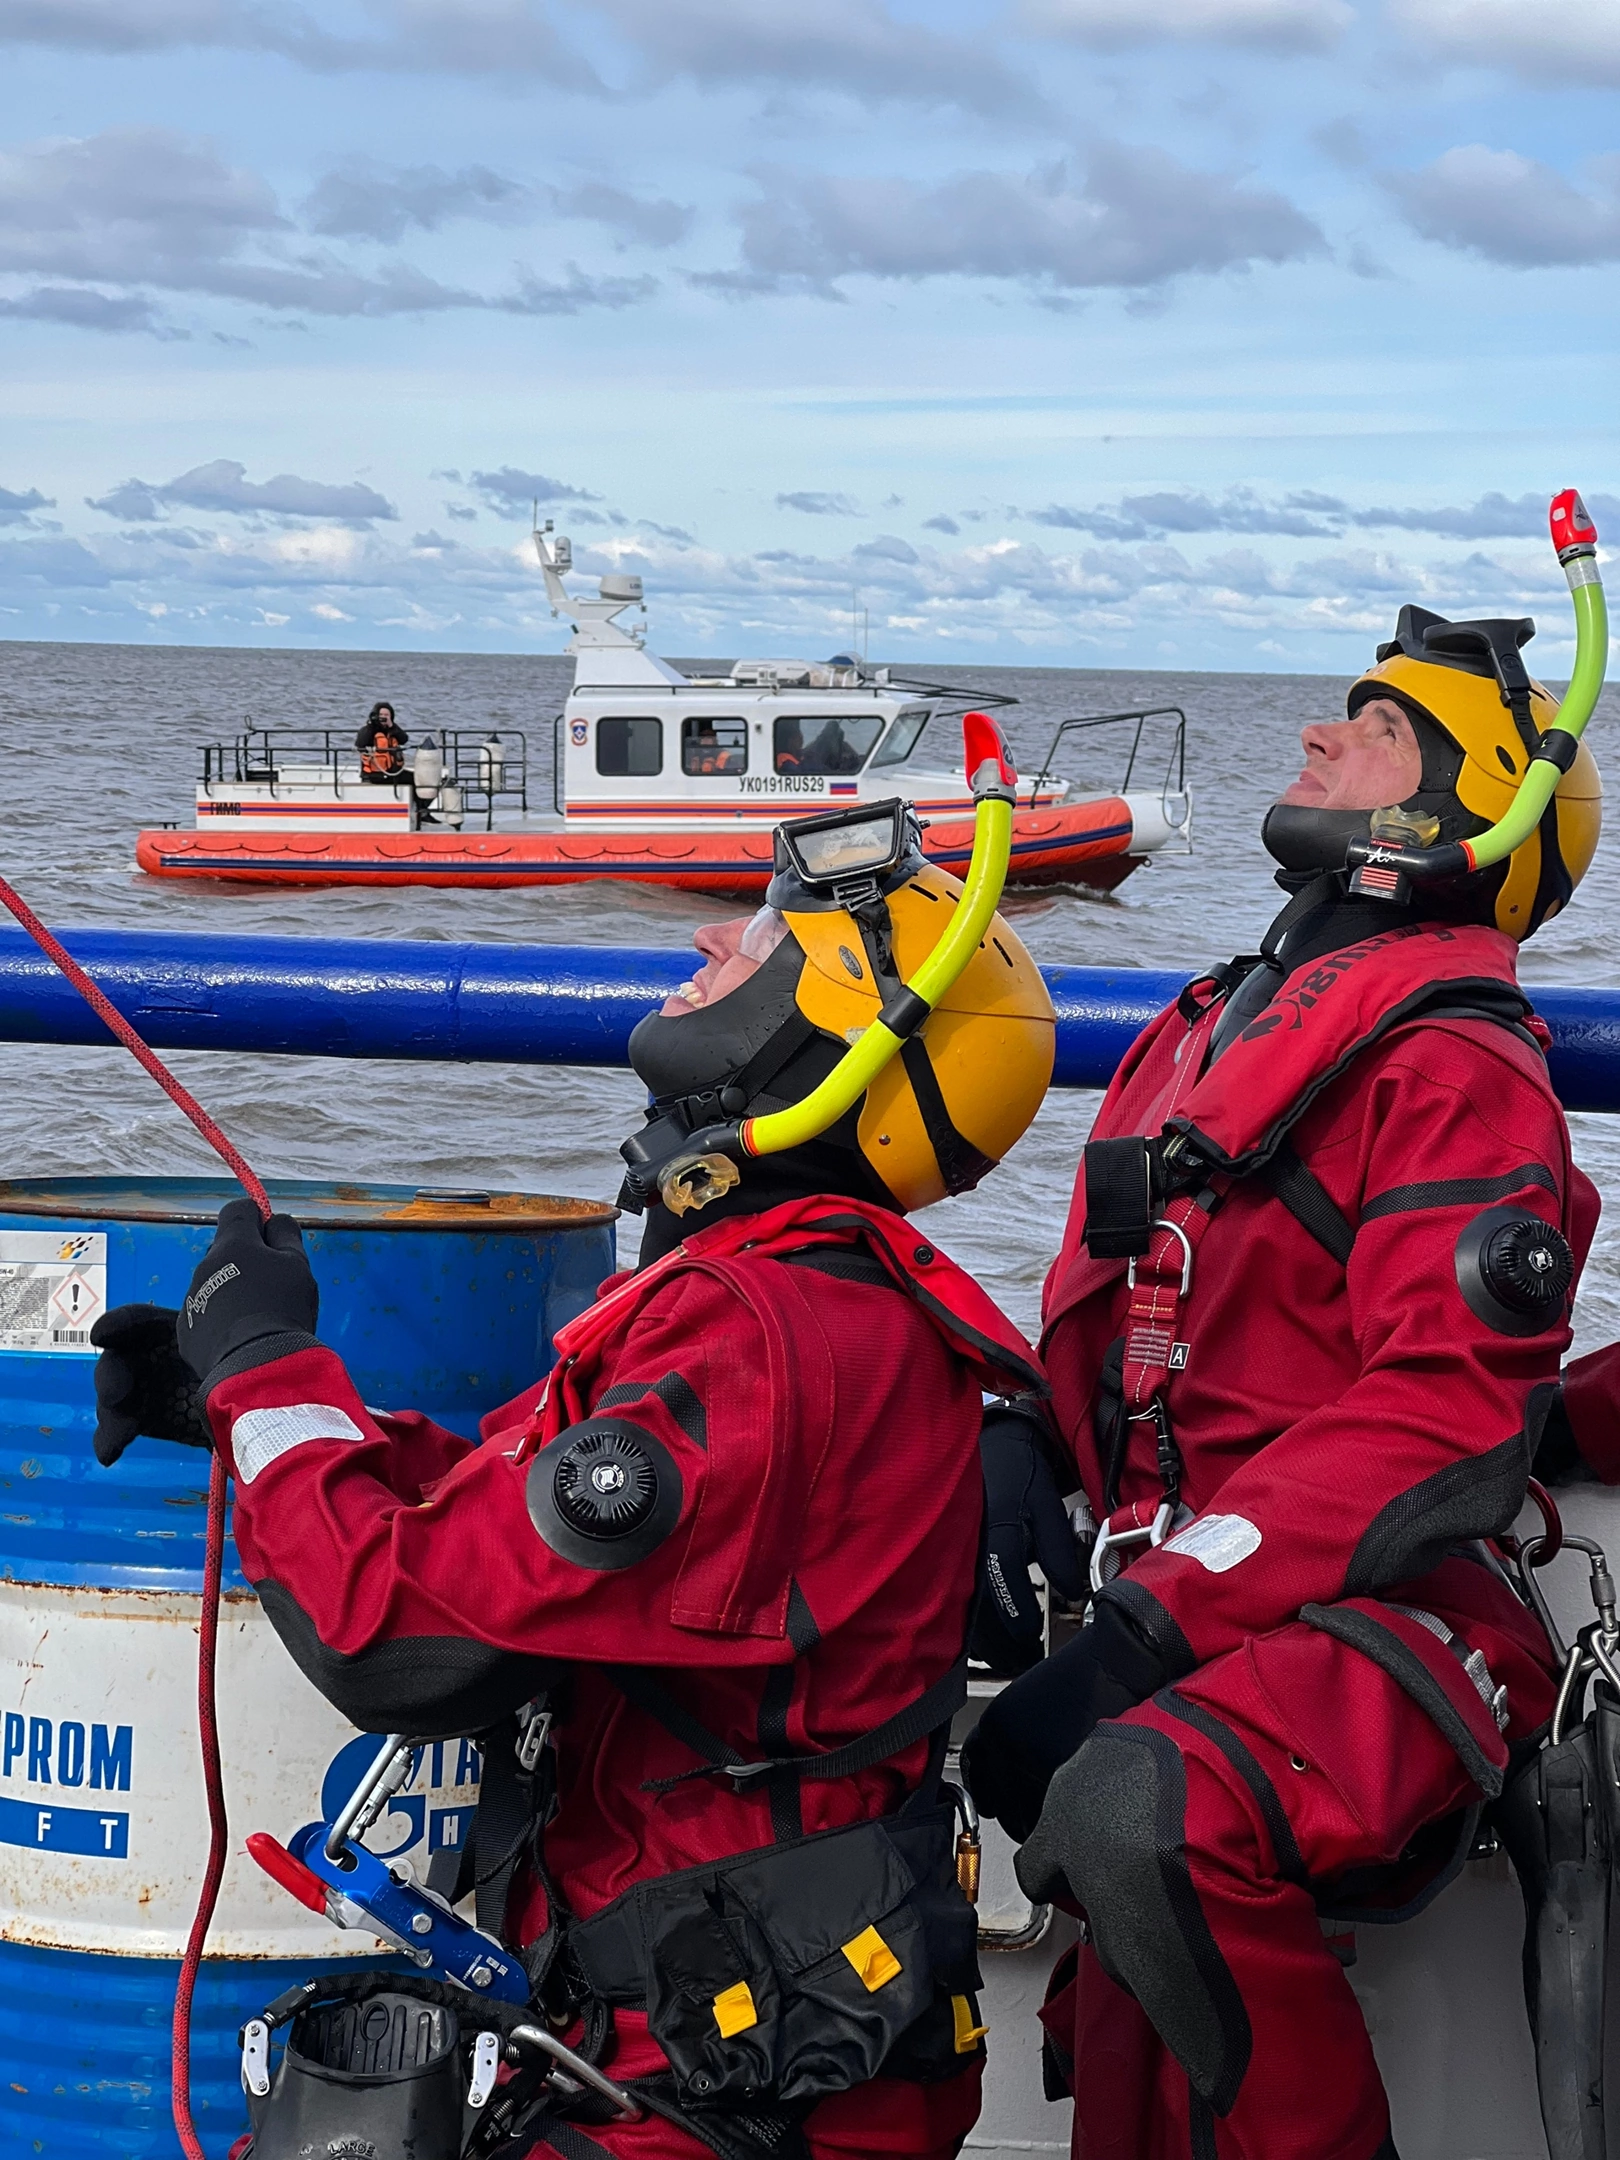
x: 713, y: 2003
x: 850, y: 1949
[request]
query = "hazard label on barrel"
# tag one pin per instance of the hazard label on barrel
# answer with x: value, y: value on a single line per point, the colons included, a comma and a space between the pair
x: 53, y: 1286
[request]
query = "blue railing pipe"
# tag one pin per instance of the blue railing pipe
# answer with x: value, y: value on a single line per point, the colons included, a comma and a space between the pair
x: 547, y: 1004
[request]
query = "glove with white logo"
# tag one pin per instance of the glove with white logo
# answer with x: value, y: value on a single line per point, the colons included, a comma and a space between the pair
x: 1025, y: 1520
x: 143, y: 1385
x: 253, y: 1298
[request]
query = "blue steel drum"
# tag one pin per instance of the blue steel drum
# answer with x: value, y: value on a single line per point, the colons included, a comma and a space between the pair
x: 443, y: 1302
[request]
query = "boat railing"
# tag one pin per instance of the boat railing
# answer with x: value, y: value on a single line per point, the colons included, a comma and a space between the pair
x: 485, y: 768
x: 1147, y: 743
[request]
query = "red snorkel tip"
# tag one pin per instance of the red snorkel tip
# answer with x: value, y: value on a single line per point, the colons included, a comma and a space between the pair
x: 1573, y: 532
x: 985, y: 746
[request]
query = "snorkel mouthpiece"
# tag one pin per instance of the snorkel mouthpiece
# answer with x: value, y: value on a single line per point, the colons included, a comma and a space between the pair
x: 1385, y: 868
x: 710, y: 1161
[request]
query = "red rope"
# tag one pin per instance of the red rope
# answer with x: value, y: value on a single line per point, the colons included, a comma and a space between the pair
x: 214, y: 1541
x: 104, y: 1009
x: 218, y: 1831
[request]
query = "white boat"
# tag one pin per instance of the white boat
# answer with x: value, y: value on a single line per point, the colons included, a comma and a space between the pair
x: 659, y: 775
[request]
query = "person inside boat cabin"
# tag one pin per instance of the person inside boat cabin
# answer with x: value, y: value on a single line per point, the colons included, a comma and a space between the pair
x: 719, y: 1562
x: 789, y: 746
x: 702, y: 751
x: 1302, y: 1336
x: 381, y: 743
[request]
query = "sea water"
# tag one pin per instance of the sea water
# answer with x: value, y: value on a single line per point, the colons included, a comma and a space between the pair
x: 100, y: 740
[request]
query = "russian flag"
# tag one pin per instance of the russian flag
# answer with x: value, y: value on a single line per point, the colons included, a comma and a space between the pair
x: 842, y: 787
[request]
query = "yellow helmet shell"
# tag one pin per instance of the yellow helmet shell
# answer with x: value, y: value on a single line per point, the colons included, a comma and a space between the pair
x: 967, y: 1085
x: 1534, y: 882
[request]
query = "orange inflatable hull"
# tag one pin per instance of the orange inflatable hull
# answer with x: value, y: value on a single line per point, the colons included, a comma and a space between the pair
x: 1087, y: 844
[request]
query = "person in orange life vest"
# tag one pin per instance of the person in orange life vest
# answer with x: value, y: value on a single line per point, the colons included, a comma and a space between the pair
x: 1301, y: 1337
x: 741, y: 1516
x: 789, y: 746
x: 381, y: 743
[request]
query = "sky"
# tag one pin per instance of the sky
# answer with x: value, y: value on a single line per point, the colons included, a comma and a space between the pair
x: 1199, y: 334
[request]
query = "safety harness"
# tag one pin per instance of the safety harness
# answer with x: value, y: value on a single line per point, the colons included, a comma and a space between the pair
x: 1150, y: 1198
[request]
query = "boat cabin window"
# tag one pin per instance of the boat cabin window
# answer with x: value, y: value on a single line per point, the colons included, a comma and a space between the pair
x: 824, y: 742
x: 629, y: 749
x: 902, y: 737
x: 710, y: 746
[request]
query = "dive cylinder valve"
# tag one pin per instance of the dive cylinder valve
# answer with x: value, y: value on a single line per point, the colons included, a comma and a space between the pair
x: 1386, y: 864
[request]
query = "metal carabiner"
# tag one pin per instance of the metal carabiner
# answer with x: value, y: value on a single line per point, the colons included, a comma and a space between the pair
x: 1163, y: 1222
x: 1168, y: 1517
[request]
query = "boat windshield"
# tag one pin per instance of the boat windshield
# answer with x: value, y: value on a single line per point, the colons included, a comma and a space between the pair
x: 824, y: 742
x: 902, y: 737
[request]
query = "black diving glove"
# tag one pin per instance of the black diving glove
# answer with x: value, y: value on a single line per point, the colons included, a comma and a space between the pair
x: 253, y: 1298
x: 1025, y: 1520
x: 1036, y: 1724
x: 143, y: 1385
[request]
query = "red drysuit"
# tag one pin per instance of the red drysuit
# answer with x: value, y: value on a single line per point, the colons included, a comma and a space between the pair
x: 1592, y: 1404
x: 816, y: 1578
x: 1344, y: 1421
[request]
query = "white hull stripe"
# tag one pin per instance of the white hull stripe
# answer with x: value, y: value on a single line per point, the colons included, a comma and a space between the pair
x: 259, y: 1437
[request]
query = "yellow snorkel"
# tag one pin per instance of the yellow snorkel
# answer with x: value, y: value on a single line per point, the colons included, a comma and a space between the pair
x: 1382, y: 865
x: 840, y: 855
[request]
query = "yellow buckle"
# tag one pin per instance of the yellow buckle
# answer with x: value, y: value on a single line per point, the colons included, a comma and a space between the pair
x: 967, y: 2033
x: 874, y: 1962
x: 734, y: 2011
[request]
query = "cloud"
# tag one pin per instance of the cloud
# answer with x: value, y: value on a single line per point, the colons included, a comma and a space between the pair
x: 512, y: 491
x: 363, y: 201
x: 17, y: 507
x: 1552, y: 41
x: 818, y: 505
x: 854, y: 48
x: 1511, y: 209
x: 941, y: 524
x: 1134, y: 218
x: 82, y: 307
x: 1493, y: 517
x: 1305, y: 514
x: 573, y: 294
x: 139, y: 209
x: 653, y: 221
x: 224, y: 485
x: 1279, y: 26
x: 505, y: 38
x: 1001, y: 595
x: 1135, y: 517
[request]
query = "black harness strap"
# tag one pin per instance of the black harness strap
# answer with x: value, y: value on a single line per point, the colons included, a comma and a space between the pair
x: 936, y: 1706
x: 564, y: 2138
x: 1310, y: 1203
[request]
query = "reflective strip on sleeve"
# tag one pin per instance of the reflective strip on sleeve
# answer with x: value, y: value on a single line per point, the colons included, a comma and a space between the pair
x: 258, y: 1437
x: 1216, y: 1542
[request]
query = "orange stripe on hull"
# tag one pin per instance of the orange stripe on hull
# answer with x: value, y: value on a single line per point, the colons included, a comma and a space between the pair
x: 1087, y: 845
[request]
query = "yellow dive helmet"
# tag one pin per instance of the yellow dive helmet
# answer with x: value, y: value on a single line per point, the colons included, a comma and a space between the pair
x: 1479, y: 717
x: 895, y: 1042
x: 1506, y: 814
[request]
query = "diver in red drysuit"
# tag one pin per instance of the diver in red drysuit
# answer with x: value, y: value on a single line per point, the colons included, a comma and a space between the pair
x: 1291, y: 1706
x: 753, y: 1477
